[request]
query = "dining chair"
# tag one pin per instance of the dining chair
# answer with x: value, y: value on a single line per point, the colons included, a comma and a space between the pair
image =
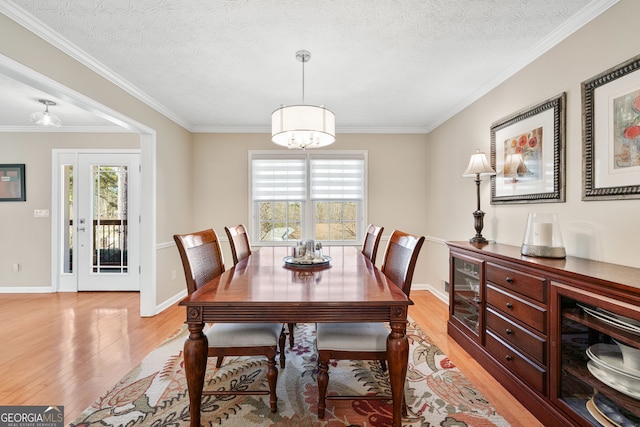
x: 366, y: 341
x: 202, y: 261
x: 239, y: 241
x: 240, y: 249
x: 371, y: 242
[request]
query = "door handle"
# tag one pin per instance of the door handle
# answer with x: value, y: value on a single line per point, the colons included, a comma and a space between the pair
x: 82, y: 229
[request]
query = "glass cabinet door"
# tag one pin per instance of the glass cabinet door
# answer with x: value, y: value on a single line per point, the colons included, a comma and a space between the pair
x: 599, y: 378
x: 466, y: 290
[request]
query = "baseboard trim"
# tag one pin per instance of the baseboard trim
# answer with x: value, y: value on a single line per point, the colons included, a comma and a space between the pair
x: 441, y: 295
x: 26, y: 290
x: 171, y: 301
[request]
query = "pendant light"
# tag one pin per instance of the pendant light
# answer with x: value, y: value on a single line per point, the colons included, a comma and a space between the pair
x: 303, y: 126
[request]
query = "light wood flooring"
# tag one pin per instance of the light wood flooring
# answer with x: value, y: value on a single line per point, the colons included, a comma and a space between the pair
x: 69, y: 348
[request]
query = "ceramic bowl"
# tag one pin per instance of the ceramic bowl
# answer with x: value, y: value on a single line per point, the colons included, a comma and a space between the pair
x: 630, y: 356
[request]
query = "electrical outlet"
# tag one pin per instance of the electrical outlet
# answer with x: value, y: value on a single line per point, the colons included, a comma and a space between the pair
x: 16, y: 267
x: 173, y: 275
x: 41, y: 213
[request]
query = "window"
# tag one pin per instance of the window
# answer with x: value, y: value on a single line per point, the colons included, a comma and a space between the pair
x: 307, y: 196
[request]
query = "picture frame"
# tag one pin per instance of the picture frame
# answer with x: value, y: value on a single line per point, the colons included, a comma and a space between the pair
x: 12, y: 183
x: 528, y: 154
x: 611, y: 133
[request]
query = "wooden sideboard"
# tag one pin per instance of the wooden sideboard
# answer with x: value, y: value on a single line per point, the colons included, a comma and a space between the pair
x: 543, y: 327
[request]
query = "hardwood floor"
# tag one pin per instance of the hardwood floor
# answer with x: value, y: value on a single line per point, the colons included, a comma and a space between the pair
x: 431, y: 315
x: 69, y: 348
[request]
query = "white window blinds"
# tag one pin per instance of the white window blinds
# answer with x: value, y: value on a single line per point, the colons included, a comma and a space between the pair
x: 333, y: 179
x: 279, y: 179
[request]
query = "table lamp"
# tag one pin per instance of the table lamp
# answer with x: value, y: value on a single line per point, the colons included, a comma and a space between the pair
x: 478, y: 166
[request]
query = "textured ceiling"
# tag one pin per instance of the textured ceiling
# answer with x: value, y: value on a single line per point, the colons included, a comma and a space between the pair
x: 379, y: 65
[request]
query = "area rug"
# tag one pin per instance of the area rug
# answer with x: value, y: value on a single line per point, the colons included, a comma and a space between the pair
x: 155, y: 393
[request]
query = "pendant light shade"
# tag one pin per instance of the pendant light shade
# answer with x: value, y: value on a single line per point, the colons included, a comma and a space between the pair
x: 45, y: 118
x: 303, y: 126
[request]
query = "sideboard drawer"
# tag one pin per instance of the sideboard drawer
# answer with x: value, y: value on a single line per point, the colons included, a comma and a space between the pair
x: 515, y: 362
x: 526, y: 284
x: 515, y: 335
x: 511, y: 305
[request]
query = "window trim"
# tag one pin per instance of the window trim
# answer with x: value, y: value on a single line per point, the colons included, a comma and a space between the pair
x: 309, y: 219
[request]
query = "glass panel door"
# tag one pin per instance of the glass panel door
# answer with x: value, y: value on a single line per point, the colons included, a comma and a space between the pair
x: 107, y: 223
x: 466, y: 280
x: 599, y: 379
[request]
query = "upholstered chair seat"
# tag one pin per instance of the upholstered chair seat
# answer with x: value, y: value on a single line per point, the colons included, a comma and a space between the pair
x: 369, y: 337
x: 243, y: 334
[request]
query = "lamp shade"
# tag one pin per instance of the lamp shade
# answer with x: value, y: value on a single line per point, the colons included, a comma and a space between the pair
x: 478, y: 165
x: 303, y: 126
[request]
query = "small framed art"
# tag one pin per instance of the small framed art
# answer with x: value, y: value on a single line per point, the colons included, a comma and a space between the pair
x: 12, y: 183
x: 528, y: 154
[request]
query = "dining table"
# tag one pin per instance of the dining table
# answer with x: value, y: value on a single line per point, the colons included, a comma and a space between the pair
x: 267, y: 287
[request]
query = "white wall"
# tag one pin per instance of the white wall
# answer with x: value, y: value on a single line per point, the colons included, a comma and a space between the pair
x: 601, y: 230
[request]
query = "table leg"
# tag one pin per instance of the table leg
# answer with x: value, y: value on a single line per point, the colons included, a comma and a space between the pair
x: 195, y: 364
x: 398, y: 357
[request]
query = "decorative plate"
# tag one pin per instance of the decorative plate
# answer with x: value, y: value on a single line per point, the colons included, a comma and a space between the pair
x: 305, y: 263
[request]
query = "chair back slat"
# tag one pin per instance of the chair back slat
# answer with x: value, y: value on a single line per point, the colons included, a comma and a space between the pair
x: 239, y: 241
x: 400, y: 259
x: 371, y: 242
x: 201, y: 257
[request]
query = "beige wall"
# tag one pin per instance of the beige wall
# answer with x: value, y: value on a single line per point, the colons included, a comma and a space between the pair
x: 173, y: 149
x: 602, y: 230
x: 397, y: 181
x: 433, y: 200
x: 27, y: 240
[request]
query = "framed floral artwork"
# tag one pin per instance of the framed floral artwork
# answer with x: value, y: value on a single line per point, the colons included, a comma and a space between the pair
x: 528, y: 154
x: 611, y: 133
x: 12, y: 183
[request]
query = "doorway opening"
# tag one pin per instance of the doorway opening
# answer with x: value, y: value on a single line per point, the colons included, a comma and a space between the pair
x: 98, y: 220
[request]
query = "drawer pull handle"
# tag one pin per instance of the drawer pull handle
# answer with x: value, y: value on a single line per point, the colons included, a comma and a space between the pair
x: 508, y: 331
x: 509, y: 279
x: 509, y: 305
x: 508, y: 357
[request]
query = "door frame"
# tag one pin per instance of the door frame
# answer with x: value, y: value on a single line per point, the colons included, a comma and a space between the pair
x: 148, y: 215
x: 70, y: 282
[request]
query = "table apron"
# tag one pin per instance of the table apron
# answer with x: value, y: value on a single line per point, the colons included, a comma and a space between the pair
x: 294, y: 314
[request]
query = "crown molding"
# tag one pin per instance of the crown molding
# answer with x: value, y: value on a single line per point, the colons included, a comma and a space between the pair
x: 28, y: 21
x: 580, y: 19
x: 31, y: 23
x: 344, y: 129
x: 65, y: 129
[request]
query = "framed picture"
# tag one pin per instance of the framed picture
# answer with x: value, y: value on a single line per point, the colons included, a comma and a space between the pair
x: 528, y: 154
x: 12, y: 183
x: 611, y: 133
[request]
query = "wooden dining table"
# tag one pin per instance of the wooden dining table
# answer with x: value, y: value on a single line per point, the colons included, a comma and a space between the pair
x: 263, y: 288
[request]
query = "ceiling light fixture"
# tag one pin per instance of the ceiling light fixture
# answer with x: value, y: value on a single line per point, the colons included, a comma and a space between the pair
x: 45, y: 118
x: 303, y: 126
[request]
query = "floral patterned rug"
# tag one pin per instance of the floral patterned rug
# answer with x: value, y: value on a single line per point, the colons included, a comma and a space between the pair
x: 155, y: 393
